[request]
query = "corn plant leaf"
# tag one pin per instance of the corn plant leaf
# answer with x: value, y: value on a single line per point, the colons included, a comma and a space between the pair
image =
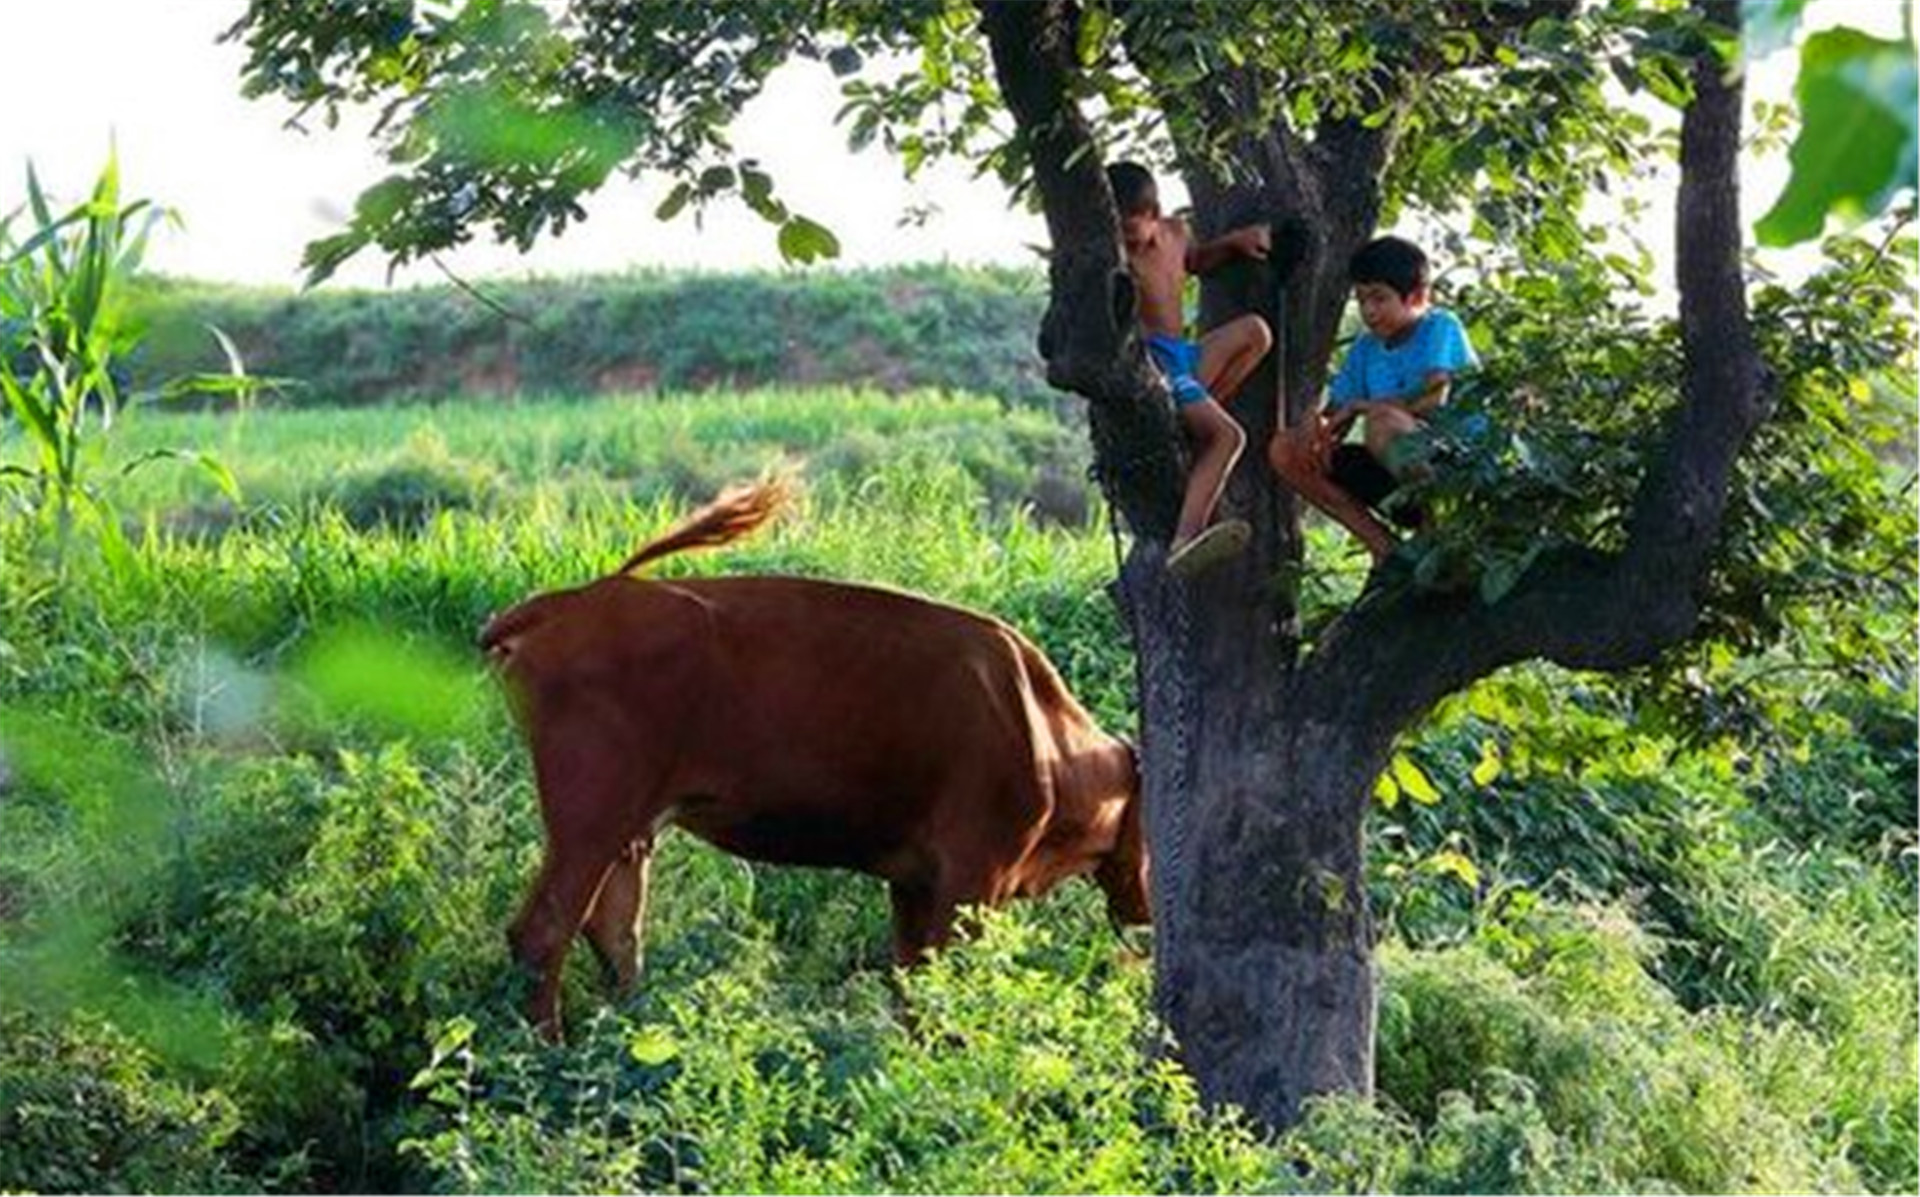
x: 210, y: 465
x: 34, y: 411
x: 206, y: 386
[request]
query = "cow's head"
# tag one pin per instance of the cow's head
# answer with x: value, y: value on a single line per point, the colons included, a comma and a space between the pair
x: 1122, y: 873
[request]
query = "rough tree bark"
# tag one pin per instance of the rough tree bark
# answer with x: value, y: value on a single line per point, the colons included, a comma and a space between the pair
x: 1258, y: 759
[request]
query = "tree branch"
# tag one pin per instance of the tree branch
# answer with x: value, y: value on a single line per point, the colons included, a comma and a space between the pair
x: 1089, y: 336
x: 1393, y: 655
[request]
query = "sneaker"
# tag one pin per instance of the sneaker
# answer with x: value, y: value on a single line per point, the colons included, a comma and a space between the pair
x: 1214, y: 544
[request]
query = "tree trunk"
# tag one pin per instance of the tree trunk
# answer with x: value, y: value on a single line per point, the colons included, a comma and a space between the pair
x: 1256, y: 801
x: 1255, y: 813
x: 1272, y: 996
x: 1258, y: 763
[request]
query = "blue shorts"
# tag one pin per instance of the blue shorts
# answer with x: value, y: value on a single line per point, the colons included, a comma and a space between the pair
x: 1179, y: 360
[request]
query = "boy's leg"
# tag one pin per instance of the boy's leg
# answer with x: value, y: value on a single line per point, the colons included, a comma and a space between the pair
x: 1385, y: 425
x: 1301, y: 456
x: 1230, y: 353
x: 1217, y: 443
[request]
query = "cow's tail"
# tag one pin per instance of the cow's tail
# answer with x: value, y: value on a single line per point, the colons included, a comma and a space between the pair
x: 735, y: 513
x: 738, y: 511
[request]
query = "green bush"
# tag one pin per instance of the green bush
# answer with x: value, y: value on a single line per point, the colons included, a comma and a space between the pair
x: 417, y: 482
x: 83, y: 1109
x: 338, y: 911
x: 1639, y: 1091
x: 1019, y: 1070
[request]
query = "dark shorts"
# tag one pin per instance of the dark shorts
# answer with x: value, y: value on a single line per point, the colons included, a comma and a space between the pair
x: 1361, y: 475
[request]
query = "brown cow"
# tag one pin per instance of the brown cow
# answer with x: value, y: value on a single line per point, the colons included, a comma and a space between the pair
x: 799, y: 722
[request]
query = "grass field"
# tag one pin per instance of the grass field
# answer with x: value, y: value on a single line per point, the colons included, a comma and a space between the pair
x: 263, y: 822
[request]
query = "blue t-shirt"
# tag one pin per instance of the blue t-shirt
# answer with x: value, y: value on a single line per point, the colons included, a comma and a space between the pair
x: 1375, y: 371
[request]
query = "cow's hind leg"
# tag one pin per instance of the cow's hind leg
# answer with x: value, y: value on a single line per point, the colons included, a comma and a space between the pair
x: 618, y: 918
x: 593, y: 796
x: 548, y: 922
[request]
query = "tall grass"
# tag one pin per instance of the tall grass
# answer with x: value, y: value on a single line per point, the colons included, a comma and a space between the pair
x: 407, y: 462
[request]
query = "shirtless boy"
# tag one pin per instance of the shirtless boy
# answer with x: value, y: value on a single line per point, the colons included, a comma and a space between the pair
x: 1161, y: 253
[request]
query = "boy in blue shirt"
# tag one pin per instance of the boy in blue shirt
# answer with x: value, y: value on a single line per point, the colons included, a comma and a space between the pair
x: 1399, y: 369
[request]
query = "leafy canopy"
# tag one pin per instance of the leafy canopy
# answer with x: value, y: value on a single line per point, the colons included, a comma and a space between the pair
x: 505, y: 114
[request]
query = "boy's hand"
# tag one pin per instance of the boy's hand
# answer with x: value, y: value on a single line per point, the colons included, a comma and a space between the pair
x: 1254, y: 241
x: 1312, y: 439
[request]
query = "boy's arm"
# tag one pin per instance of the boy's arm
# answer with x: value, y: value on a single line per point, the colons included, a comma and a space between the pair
x: 1419, y: 403
x: 1452, y: 352
x: 1205, y: 257
x: 1432, y: 395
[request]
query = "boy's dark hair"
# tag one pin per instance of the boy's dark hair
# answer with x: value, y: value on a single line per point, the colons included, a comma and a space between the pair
x: 1398, y: 263
x: 1132, y: 185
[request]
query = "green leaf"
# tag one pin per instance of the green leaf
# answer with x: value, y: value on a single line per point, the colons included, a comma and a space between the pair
x: 37, y: 199
x: 375, y: 678
x: 1449, y: 863
x: 756, y: 187
x: 1667, y: 79
x: 1858, y: 139
x: 32, y: 409
x: 844, y: 60
x: 803, y: 241
x: 458, y: 1033
x: 321, y: 258
x: 236, y: 365
x: 1485, y: 773
x: 210, y: 465
x: 1413, y: 781
x: 47, y: 233
x: 202, y: 386
x: 1095, y: 24
x: 652, y: 1045
x: 676, y: 200
x: 1385, y: 792
x: 217, y: 470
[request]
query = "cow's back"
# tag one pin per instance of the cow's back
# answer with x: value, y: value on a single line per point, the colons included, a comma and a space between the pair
x: 857, y: 726
x: 820, y: 723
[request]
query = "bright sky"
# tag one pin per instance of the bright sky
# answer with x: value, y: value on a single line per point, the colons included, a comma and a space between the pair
x: 83, y: 74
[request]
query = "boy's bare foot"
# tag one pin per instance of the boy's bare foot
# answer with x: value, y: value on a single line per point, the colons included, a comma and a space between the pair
x: 1212, y: 545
